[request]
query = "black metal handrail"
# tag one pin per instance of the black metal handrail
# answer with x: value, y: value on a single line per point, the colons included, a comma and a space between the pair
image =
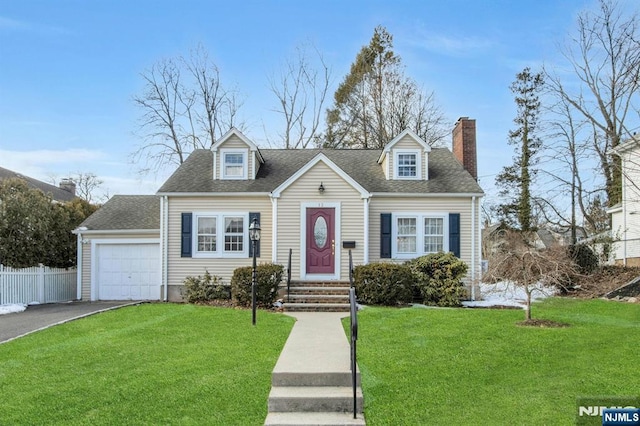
x: 350, y: 269
x: 289, y: 274
x: 354, y: 337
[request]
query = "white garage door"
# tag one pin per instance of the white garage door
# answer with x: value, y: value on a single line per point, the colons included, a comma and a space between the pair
x: 128, y: 271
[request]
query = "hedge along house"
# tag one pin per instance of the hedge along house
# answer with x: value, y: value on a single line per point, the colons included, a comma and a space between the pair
x: 397, y: 203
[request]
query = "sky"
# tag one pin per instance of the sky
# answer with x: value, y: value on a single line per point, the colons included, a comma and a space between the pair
x: 69, y: 69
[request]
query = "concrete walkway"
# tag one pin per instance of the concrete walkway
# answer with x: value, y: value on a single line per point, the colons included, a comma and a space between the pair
x: 311, y: 382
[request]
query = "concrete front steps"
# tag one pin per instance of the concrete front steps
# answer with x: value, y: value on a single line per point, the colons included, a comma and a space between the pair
x: 317, y: 296
x: 311, y: 383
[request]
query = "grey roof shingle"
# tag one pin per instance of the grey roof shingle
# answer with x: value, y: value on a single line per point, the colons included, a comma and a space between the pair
x: 55, y: 192
x: 126, y: 212
x: 446, y: 174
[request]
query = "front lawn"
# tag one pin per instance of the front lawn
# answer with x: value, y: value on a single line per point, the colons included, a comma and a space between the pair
x: 147, y: 364
x: 476, y: 366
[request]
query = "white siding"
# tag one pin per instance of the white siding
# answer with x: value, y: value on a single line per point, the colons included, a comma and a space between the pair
x: 181, y: 267
x: 407, y: 142
x: 305, y: 190
x: 233, y: 142
x: 460, y: 205
x: 626, y: 225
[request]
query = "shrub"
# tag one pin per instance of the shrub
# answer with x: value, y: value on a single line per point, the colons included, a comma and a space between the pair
x: 268, y: 278
x: 584, y: 257
x: 205, y: 289
x: 439, y: 278
x: 383, y: 283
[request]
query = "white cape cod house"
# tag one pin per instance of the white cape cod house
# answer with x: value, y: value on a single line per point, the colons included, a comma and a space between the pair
x: 397, y: 203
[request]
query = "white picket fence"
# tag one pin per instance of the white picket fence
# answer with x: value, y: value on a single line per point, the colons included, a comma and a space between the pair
x: 39, y: 284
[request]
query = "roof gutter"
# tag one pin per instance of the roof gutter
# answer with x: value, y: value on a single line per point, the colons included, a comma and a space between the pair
x: 427, y: 194
x: 114, y: 231
x: 213, y: 194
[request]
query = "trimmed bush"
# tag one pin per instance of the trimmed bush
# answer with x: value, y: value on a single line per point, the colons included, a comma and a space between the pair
x: 268, y: 278
x: 439, y: 278
x: 584, y: 257
x: 383, y: 283
x: 205, y: 289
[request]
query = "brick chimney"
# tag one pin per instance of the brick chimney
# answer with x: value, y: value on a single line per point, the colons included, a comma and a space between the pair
x: 68, y: 185
x: 464, y: 144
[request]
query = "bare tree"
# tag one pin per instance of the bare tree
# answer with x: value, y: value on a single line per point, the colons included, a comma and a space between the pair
x: 605, y: 58
x: 184, y: 107
x: 567, y: 151
x: 87, y: 184
x: 520, y: 263
x: 301, y: 88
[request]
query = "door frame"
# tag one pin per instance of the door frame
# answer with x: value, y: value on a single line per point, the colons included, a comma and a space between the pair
x: 303, y: 241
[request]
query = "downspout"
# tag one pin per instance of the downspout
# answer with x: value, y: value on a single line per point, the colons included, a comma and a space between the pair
x: 473, y: 248
x: 164, y: 232
x: 274, y: 229
x: 365, y: 255
x: 79, y: 266
x: 624, y: 216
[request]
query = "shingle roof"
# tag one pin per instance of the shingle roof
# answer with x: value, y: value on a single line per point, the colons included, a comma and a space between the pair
x: 55, y: 192
x: 126, y: 212
x: 446, y: 174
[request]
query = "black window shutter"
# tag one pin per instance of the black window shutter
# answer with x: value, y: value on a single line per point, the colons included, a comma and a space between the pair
x: 385, y: 235
x: 185, y: 242
x: 454, y: 233
x: 251, y: 217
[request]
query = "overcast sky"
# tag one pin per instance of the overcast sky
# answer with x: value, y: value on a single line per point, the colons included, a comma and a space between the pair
x: 69, y: 69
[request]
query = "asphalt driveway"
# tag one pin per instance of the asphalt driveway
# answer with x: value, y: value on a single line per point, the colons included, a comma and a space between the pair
x: 38, y: 317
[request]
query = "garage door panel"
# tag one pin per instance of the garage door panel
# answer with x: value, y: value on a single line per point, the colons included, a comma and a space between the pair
x: 128, y: 271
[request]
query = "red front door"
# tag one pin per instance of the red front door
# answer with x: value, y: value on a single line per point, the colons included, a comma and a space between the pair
x: 321, y: 243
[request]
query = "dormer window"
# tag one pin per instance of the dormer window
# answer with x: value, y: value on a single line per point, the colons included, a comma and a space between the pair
x: 407, y: 164
x: 234, y: 164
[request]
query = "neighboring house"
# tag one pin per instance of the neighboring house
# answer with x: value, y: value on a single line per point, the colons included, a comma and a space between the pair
x: 625, y: 216
x: 397, y: 203
x: 65, y: 192
x: 543, y: 238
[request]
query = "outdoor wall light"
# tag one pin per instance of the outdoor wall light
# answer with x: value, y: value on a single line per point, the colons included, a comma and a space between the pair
x: 321, y: 188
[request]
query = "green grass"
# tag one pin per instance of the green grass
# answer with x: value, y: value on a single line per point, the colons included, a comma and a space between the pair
x: 148, y: 364
x: 476, y: 366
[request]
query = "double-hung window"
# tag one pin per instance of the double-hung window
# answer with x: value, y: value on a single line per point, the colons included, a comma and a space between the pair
x: 407, y: 235
x: 433, y: 234
x: 234, y: 164
x: 207, y: 236
x: 221, y: 234
x: 417, y: 234
x: 408, y: 164
x: 233, y: 234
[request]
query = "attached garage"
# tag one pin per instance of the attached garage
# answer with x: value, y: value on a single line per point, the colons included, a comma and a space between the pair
x: 126, y: 270
x: 119, y: 250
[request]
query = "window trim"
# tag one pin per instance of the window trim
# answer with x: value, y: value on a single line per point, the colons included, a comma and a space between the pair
x: 223, y: 163
x: 420, y: 236
x: 396, y: 166
x: 220, y: 235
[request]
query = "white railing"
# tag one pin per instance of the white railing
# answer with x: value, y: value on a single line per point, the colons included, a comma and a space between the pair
x: 39, y: 284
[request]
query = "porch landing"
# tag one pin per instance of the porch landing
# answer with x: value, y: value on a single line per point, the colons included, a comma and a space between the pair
x: 311, y: 382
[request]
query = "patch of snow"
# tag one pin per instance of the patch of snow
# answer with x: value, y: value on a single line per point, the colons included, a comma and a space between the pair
x: 12, y: 308
x: 505, y: 293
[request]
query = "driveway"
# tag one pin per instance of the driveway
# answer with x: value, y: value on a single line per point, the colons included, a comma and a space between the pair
x: 39, y: 317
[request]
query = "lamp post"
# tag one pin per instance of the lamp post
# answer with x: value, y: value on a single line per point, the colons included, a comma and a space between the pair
x: 254, y: 236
